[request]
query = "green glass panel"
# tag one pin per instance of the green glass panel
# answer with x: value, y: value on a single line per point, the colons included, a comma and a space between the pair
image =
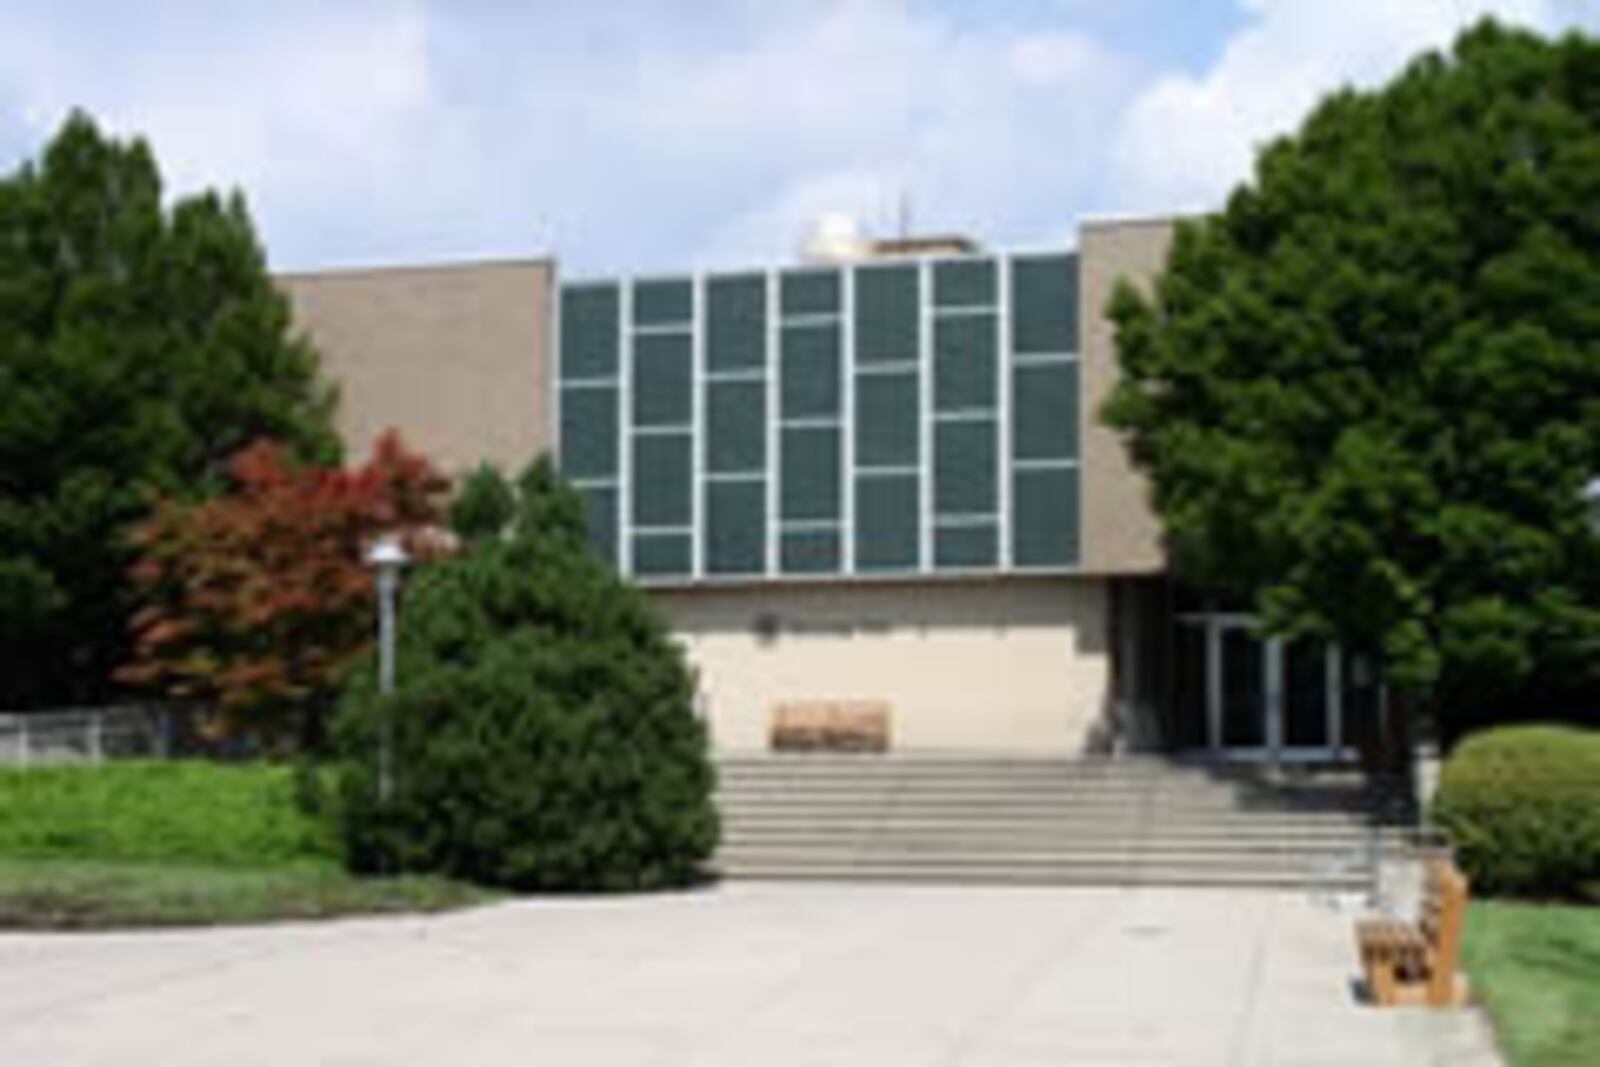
x: 886, y: 424
x: 589, y: 432
x: 964, y: 362
x: 1044, y: 304
x: 811, y: 374
x: 809, y: 486
x: 966, y: 546
x: 600, y: 520
x: 809, y: 292
x: 659, y: 302
x: 661, y: 555
x: 663, y: 374
x: 662, y: 473
x: 736, y: 527
x: 1044, y: 517
x: 1044, y: 421
x: 964, y: 470
x: 736, y: 322
x: 736, y: 426
x: 887, y: 419
x: 887, y: 522
x: 589, y: 331
x: 887, y: 314
x: 964, y: 283
x: 809, y: 552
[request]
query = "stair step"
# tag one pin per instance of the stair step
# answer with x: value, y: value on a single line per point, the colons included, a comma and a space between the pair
x: 1110, y: 876
x: 1100, y: 808
x: 1061, y: 776
x: 957, y: 852
x: 1044, y: 788
x: 1032, y: 772
x: 957, y: 855
x: 1146, y: 837
x: 1000, y: 820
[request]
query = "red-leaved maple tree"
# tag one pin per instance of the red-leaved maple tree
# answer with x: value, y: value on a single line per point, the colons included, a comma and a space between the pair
x: 256, y: 600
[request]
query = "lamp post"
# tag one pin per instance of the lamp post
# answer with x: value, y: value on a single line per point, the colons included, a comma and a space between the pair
x: 386, y: 557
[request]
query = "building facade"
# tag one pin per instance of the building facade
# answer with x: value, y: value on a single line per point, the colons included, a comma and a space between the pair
x: 874, y: 483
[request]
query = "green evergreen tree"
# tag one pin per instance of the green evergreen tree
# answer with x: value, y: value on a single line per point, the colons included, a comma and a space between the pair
x: 542, y: 732
x: 140, y: 347
x: 1368, y: 392
x: 483, y: 506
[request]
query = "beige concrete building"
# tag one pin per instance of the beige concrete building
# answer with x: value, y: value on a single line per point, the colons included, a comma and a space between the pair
x: 1003, y: 664
x: 881, y: 482
x: 456, y: 357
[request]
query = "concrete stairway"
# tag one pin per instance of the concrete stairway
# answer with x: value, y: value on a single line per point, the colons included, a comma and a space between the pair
x: 1138, y: 821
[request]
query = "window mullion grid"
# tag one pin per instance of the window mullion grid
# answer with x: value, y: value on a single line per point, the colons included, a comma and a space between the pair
x: 1044, y: 463
x: 956, y: 520
x: 810, y: 525
x: 899, y: 366
x: 774, y: 368
x: 925, y: 414
x: 847, y: 413
x: 697, y: 418
x: 887, y: 470
x: 657, y: 329
x: 1043, y: 359
x: 1003, y: 449
x: 625, y: 429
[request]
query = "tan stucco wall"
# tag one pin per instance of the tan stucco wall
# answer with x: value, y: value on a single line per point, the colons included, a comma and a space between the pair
x: 455, y: 357
x: 1120, y: 532
x: 1017, y: 665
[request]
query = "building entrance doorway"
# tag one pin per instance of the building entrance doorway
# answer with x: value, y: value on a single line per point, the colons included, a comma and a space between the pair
x: 1268, y: 698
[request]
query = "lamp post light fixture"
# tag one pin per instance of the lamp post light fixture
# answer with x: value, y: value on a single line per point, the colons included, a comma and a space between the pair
x: 1591, y: 500
x: 387, y: 557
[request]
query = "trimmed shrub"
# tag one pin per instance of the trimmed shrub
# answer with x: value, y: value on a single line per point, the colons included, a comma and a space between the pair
x: 543, y: 733
x: 1523, y: 806
x: 224, y: 815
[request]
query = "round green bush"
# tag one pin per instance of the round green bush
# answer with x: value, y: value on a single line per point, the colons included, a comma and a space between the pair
x: 1522, y: 804
x: 543, y: 733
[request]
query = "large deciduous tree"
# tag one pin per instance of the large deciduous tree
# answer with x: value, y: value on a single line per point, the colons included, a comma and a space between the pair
x: 257, y: 599
x: 1368, y: 392
x: 141, y: 344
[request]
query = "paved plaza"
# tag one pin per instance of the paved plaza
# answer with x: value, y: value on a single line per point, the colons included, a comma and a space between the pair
x: 742, y: 975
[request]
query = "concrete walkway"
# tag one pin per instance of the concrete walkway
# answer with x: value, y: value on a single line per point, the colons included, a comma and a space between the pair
x: 747, y: 975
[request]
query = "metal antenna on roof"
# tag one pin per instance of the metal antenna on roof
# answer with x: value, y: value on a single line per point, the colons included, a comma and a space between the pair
x: 903, y: 213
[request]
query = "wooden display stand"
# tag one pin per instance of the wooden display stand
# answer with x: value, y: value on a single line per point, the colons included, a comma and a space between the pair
x: 831, y: 726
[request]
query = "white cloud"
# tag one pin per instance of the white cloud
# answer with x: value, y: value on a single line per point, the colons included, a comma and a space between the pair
x: 628, y: 135
x: 1187, y: 140
x: 976, y: 129
x: 280, y: 101
x: 625, y: 136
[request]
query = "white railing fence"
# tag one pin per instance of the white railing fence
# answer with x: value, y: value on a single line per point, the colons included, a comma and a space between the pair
x: 86, y: 735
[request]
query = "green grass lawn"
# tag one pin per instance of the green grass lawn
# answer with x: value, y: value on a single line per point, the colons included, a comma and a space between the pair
x: 1537, y: 969
x: 81, y: 895
x: 184, y: 811
x: 180, y: 843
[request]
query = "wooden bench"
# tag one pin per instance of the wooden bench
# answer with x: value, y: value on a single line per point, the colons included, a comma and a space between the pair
x: 1411, y: 963
x: 831, y: 725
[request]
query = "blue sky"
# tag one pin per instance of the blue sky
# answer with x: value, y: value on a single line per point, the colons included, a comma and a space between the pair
x: 653, y: 135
